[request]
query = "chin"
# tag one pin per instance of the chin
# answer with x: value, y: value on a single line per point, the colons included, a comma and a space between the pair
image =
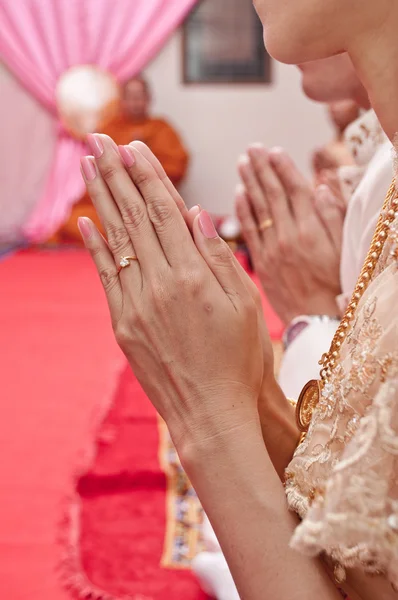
x: 316, y: 92
x: 287, y: 50
x: 292, y: 44
x: 312, y: 93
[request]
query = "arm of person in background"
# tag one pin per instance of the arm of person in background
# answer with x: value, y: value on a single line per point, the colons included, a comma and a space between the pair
x: 168, y: 147
x: 297, y: 258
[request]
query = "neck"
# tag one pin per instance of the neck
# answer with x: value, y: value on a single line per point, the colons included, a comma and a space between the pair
x: 360, y: 96
x: 375, y: 58
x: 135, y: 118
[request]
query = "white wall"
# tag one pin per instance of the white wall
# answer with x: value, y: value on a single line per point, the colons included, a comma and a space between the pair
x: 218, y: 122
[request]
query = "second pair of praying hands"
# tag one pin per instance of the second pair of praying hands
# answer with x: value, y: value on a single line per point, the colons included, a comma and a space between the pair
x: 297, y: 256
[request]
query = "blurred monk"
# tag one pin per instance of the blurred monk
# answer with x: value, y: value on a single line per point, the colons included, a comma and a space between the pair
x: 135, y: 123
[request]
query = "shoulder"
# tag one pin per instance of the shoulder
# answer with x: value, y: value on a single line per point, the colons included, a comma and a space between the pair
x: 161, y: 123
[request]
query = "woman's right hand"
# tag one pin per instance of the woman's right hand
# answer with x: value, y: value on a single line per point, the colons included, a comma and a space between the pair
x: 190, y: 216
x: 181, y: 312
x: 276, y: 415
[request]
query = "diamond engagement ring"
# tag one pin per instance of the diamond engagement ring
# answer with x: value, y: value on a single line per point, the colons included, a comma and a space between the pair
x: 125, y: 262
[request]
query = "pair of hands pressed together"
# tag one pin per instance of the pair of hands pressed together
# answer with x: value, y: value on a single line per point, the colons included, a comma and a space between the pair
x: 298, y: 258
x: 185, y: 313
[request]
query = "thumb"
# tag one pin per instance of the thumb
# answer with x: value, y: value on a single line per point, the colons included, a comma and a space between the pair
x: 331, y: 214
x: 219, y: 257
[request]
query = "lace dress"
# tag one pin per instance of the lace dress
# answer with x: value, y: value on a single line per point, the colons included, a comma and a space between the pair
x: 343, y: 479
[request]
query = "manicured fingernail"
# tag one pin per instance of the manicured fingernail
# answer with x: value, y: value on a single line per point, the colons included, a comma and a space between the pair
x: 243, y: 160
x: 324, y: 196
x: 127, y: 155
x: 95, y: 144
x: 277, y: 154
x: 88, y: 168
x: 257, y: 149
x: 207, y: 225
x: 195, y: 210
x: 84, y: 226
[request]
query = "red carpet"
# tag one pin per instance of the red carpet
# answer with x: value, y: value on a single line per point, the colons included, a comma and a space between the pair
x: 133, y: 528
x: 123, y: 511
x: 59, y: 364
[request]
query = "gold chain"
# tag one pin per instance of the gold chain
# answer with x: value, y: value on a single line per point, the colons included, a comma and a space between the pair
x: 387, y: 216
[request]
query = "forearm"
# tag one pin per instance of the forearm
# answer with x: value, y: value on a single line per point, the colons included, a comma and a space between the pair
x: 245, y: 501
x: 278, y: 425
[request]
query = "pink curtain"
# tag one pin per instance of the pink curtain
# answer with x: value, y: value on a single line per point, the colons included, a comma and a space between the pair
x: 23, y: 170
x: 40, y: 39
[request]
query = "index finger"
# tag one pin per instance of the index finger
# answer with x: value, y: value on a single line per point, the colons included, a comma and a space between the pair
x: 164, y: 178
x: 298, y: 190
x: 168, y: 222
x: 272, y: 188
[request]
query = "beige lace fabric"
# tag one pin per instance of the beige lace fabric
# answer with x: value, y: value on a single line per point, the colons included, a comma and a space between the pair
x: 343, y: 479
x: 363, y: 138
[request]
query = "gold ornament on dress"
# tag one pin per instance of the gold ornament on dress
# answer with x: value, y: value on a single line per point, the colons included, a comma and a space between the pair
x: 311, y: 393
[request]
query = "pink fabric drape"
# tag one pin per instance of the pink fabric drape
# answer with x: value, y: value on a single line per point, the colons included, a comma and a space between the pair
x: 23, y: 170
x: 40, y: 39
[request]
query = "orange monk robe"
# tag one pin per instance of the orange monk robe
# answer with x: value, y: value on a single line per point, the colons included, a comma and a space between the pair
x: 164, y: 142
x: 159, y: 136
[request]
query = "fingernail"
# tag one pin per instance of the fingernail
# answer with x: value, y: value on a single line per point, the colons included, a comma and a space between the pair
x: 95, y: 144
x: 127, y: 155
x: 257, y: 149
x: 207, y: 225
x: 195, y: 210
x: 88, y: 168
x: 323, y: 195
x: 277, y: 154
x: 243, y: 159
x: 84, y: 226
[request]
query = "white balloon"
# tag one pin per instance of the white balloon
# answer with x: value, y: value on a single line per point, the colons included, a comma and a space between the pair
x: 87, y: 99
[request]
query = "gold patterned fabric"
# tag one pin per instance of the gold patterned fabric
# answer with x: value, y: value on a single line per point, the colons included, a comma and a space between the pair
x: 343, y: 479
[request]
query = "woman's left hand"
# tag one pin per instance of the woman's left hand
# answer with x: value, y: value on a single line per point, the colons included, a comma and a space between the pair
x: 181, y: 312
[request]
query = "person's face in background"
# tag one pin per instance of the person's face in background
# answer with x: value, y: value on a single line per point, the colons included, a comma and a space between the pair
x: 333, y: 80
x: 136, y: 100
x: 296, y: 31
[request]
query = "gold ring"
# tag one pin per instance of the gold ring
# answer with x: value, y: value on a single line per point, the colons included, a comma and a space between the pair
x: 266, y: 224
x: 125, y: 261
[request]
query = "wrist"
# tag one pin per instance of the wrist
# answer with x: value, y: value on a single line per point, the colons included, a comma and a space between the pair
x: 278, y: 425
x: 214, y: 424
x: 273, y: 405
x: 226, y: 445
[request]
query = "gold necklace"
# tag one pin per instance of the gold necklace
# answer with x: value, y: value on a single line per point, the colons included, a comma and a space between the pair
x: 310, y: 396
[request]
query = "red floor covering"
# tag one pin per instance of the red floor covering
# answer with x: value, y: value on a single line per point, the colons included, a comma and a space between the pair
x: 58, y: 365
